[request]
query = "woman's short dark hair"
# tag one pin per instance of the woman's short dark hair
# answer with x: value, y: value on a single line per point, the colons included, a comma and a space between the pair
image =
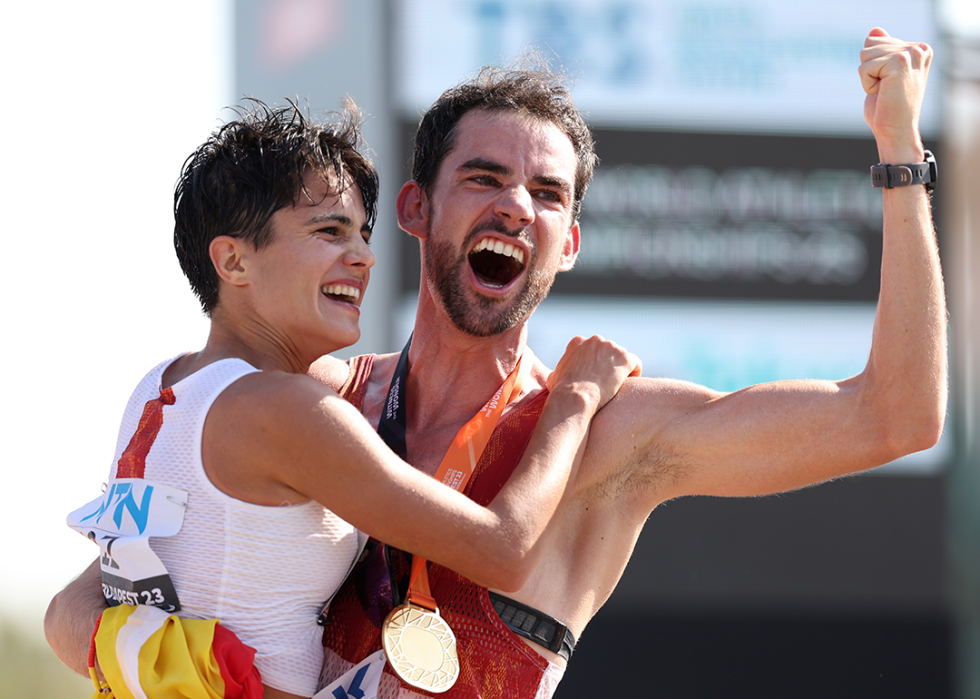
x: 252, y: 167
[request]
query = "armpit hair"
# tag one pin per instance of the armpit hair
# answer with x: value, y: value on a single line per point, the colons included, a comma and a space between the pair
x: 654, y: 470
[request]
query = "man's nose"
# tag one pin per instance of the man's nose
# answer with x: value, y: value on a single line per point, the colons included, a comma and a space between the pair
x: 515, y: 204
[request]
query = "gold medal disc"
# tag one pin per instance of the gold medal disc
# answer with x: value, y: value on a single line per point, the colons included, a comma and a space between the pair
x: 421, y: 648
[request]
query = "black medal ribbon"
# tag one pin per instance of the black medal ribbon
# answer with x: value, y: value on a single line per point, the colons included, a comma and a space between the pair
x: 394, y: 418
x: 392, y: 428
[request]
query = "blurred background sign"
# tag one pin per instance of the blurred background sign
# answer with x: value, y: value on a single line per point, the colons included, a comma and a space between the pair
x: 687, y: 65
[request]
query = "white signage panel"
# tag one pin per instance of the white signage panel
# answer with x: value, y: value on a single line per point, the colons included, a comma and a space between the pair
x: 756, y: 65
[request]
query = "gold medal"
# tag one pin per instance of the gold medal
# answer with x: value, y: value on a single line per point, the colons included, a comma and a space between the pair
x: 419, y: 645
x: 421, y: 648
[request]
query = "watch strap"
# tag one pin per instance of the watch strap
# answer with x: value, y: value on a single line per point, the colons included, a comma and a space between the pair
x: 888, y: 176
x: 534, y: 625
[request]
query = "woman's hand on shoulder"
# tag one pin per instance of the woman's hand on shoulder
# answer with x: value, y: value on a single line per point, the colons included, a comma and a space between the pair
x: 594, y: 367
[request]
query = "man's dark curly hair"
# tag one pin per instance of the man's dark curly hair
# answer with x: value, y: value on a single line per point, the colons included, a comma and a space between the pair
x: 252, y: 167
x: 530, y: 87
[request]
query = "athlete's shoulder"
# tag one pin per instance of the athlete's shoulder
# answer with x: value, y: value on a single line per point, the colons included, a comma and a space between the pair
x: 644, y: 406
x: 330, y: 371
x: 536, y: 375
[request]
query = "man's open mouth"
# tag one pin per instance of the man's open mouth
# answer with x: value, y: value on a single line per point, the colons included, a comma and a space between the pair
x: 496, y: 263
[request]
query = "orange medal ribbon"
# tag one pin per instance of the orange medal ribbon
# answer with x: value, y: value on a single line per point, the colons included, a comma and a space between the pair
x: 458, y: 465
x: 419, y: 645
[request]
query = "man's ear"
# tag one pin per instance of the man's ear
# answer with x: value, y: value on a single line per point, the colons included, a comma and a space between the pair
x: 230, y: 259
x: 412, y: 207
x: 570, y: 253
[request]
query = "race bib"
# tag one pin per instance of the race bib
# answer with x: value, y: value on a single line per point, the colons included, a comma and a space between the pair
x: 121, y: 522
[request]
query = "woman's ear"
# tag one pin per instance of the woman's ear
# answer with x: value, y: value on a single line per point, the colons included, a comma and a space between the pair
x: 230, y: 259
x: 412, y: 207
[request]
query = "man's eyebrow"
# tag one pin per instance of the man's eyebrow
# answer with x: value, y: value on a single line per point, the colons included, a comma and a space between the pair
x: 553, y: 181
x: 485, y: 164
x: 493, y: 166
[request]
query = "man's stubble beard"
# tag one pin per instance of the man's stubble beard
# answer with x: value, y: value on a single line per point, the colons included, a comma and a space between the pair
x: 486, y: 317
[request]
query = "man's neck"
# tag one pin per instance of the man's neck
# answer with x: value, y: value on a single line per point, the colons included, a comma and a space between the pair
x: 453, y: 373
x: 451, y: 376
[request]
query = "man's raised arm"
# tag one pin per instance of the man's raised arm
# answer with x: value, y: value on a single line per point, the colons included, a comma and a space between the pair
x: 686, y: 439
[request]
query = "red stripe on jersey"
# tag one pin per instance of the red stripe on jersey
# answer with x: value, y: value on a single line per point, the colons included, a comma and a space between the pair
x: 132, y: 463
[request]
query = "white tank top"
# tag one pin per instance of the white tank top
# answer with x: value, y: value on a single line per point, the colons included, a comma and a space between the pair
x: 265, y: 572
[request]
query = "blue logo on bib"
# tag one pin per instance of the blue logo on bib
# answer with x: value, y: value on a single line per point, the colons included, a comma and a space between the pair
x: 120, y: 498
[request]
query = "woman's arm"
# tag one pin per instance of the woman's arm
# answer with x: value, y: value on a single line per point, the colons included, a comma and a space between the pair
x: 290, y: 432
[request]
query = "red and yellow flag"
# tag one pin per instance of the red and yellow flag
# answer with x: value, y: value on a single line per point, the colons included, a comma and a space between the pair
x: 144, y: 653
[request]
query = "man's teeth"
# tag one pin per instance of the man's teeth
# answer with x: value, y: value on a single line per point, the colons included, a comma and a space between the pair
x: 341, y: 290
x: 501, y: 248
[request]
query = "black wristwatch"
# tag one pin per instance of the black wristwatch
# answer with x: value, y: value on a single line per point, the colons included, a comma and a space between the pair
x: 889, y: 176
